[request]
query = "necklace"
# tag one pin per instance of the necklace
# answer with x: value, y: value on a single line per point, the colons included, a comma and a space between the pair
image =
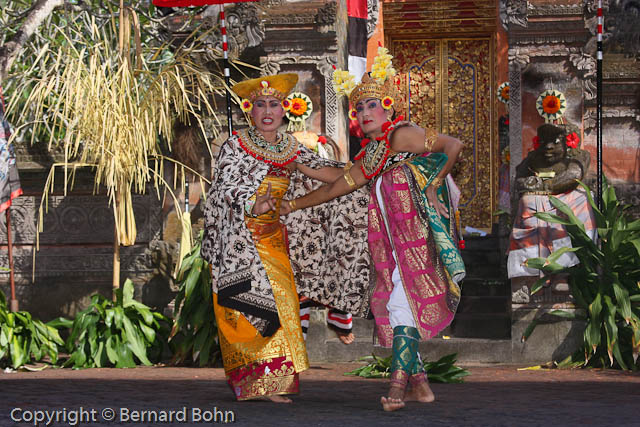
x: 280, y: 154
x: 374, y: 154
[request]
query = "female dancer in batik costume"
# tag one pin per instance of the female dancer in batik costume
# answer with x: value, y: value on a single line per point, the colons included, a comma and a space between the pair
x: 255, y: 298
x: 411, y: 232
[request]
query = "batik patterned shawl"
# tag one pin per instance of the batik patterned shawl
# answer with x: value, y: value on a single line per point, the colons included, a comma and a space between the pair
x: 328, y: 248
x: 429, y: 262
x: 239, y: 278
x: 326, y: 269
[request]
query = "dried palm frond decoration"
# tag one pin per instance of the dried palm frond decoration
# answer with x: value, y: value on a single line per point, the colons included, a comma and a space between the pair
x: 111, y: 113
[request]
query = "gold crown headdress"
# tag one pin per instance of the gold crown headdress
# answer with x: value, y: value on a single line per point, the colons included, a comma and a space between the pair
x: 278, y: 86
x: 377, y: 84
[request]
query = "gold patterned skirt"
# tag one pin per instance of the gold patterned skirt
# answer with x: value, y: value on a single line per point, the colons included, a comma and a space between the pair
x: 255, y: 365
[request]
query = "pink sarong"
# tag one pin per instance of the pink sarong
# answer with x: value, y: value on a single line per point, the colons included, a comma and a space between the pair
x: 432, y: 295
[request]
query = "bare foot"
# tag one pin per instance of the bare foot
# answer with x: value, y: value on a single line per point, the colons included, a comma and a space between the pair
x: 280, y: 399
x: 420, y: 392
x: 347, y: 339
x: 275, y: 398
x: 394, y: 401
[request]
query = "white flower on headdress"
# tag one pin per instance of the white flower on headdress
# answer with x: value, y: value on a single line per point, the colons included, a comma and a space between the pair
x: 382, y: 67
x: 343, y: 82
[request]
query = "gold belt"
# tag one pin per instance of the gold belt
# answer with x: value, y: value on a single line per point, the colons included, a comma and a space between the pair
x: 258, y: 229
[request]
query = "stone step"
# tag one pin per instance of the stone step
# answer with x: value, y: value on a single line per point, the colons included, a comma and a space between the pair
x: 484, y: 304
x: 469, y: 350
x: 482, y: 325
x: 485, y: 287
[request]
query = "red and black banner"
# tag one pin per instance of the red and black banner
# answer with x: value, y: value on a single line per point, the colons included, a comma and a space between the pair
x: 357, y: 37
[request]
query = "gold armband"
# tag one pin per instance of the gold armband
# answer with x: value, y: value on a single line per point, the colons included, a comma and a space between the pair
x: 349, y: 179
x: 348, y: 165
x: 437, y: 182
x: 292, y: 205
x: 430, y: 136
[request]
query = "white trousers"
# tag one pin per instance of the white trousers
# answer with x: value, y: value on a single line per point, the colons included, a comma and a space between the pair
x: 398, y: 305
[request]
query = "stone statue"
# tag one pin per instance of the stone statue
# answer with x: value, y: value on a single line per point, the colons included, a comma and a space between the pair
x: 555, y: 165
x: 552, y: 168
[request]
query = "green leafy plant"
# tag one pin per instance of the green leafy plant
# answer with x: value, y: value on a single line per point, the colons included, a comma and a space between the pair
x: 441, y: 371
x: 121, y: 333
x: 605, y: 284
x: 24, y: 339
x: 194, y: 336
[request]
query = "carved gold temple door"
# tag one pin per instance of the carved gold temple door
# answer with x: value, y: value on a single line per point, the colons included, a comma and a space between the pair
x: 448, y: 85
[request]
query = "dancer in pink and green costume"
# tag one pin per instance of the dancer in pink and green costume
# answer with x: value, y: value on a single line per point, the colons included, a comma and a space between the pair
x: 411, y: 229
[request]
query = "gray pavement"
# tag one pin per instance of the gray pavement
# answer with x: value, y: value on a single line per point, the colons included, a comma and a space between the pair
x: 491, y: 396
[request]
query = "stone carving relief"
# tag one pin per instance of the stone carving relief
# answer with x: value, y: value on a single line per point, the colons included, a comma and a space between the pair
x: 327, y: 14
x: 244, y: 29
x: 622, y: 24
x: 590, y: 115
x: 79, y: 219
x: 373, y: 14
x: 585, y: 64
x: 513, y: 12
x: 552, y: 9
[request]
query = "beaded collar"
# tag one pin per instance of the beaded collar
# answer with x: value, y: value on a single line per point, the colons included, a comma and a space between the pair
x: 374, y: 154
x: 280, y: 154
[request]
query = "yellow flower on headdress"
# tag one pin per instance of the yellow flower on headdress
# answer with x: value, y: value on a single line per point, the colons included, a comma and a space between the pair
x: 382, y: 67
x: 246, y: 105
x: 387, y: 102
x: 353, y: 115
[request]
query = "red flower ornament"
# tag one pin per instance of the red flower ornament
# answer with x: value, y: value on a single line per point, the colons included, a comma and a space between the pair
x: 322, y: 140
x: 536, y: 142
x: 573, y: 140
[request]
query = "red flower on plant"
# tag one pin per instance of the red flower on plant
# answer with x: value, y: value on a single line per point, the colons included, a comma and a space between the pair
x: 536, y: 142
x: 573, y: 140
